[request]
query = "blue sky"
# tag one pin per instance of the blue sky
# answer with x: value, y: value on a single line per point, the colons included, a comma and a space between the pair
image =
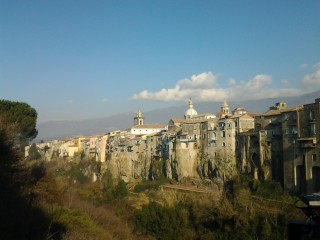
x: 85, y: 59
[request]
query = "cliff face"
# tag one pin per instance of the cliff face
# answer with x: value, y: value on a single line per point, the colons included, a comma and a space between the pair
x: 182, y: 162
x: 186, y: 162
x: 128, y: 165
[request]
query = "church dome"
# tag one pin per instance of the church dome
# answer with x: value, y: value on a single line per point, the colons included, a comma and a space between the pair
x: 190, y: 111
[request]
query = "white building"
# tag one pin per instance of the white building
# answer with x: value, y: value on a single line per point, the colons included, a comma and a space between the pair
x: 140, y: 128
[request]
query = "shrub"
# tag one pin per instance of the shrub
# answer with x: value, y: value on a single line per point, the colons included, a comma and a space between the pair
x: 120, y: 191
x: 34, y: 153
x: 160, y: 222
x: 76, y: 174
x: 270, y: 189
x: 38, y: 171
x: 149, y: 185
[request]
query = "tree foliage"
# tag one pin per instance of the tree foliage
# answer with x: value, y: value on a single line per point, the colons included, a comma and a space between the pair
x: 20, y: 218
x: 112, y: 191
x: 22, y: 115
x: 34, y: 152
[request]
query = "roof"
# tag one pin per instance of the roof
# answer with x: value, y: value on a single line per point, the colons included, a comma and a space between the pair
x: 254, y: 114
x: 203, y: 115
x: 152, y: 134
x: 241, y: 116
x: 272, y: 112
x: 190, y: 121
x: 179, y: 120
x: 191, y: 112
x: 150, y: 126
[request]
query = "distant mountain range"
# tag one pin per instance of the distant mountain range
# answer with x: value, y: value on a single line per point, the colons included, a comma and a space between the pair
x: 60, y: 129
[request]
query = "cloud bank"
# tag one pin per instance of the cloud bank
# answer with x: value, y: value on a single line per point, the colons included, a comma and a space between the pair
x: 313, y: 79
x: 205, y: 87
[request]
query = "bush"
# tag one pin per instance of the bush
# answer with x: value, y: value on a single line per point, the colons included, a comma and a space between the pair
x: 77, y: 175
x: 160, y: 222
x: 34, y: 153
x: 120, y: 191
x: 38, y: 171
x: 149, y: 185
x: 270, y: 189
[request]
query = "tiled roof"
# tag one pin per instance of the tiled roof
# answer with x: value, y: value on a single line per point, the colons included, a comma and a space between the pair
x: 272, y: 112
x: 190, y: 121
x: 150, y: 126
x: 240, y: 116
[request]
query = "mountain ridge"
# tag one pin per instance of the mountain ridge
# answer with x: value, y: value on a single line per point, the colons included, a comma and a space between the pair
x: 69, y: 128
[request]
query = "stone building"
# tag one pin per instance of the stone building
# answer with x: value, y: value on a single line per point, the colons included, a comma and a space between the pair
x: 306, y: 172
x: 284, y: 146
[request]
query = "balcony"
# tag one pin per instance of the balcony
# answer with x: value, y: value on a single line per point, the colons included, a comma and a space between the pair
x: 307, y: 142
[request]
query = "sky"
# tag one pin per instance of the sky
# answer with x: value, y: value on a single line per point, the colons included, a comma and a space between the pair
x: 75, y: 60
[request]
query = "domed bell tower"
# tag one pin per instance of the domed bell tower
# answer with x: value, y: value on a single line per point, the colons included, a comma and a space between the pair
x: 190, y: 111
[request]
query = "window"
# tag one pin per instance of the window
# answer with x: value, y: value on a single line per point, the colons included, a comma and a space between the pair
x: 223, y: 134
x: 314, y: 157
x: 286, y: 131
x: 223, y: 144
x: 312, y: 117
x: 294, y: 130
x: 313, y: 129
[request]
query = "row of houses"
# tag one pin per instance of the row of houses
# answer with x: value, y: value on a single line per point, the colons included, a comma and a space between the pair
x: 282, y: 144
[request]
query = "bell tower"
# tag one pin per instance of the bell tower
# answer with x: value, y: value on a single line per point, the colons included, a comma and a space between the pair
x: 225, y: 107
x: 138, y: 119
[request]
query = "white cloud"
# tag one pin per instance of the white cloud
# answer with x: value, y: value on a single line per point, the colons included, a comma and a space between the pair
x: 258, y: 82
x: 104, y: 100
x: 285, y: 82
x: 232, y: 82
x: 173, y: 94
x: 204, y: 87
x: 313, y: 79
x: 303, y: 66
x: 202, y: 80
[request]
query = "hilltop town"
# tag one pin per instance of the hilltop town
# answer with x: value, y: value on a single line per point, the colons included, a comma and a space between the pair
x: 282, y: 144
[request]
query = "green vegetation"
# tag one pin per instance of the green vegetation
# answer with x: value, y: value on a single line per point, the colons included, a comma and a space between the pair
x: 34, y: 153
x: 59, y: 200
x: 160, y: 222
x: 149, y: 185
x: 247, y: 210
x: 22, y: 116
